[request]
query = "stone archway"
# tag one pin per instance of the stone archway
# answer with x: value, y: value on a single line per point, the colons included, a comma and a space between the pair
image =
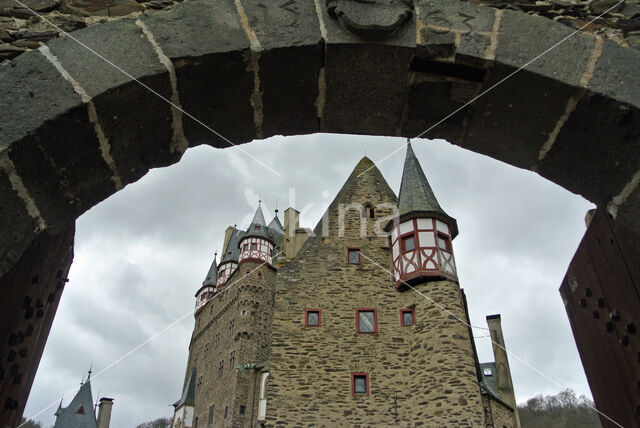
x: 76, y: 130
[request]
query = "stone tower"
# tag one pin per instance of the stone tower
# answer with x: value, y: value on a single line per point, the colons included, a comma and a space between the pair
x: 363, y: 322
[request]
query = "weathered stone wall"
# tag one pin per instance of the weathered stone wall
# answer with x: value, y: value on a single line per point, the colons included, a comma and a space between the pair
x: 502, y: 415
x: 419, y: 375
x: 232, y: 328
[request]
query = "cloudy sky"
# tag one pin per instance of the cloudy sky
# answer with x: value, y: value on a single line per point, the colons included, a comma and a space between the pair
x: 141, y: 255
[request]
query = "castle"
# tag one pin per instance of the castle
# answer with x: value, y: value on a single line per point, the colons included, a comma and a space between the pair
x: 360, y: 322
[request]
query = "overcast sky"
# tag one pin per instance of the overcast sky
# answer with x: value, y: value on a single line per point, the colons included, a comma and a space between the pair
x: 141, y: 255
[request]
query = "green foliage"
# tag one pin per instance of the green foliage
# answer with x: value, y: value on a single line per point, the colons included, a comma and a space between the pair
x: 158, y: 423
x: 563, y: 410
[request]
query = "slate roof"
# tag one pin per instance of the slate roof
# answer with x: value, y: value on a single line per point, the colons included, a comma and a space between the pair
x: 79, y: 413
x: 189, y: 393
x: 490, y: 381
x: 212, y: 275
x: 258, y: 226
x: 416, y: 194
x: 232, y: 251
x: 275, y: 225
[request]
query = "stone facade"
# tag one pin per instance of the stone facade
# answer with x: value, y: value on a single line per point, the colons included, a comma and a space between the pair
x: 423, y: 374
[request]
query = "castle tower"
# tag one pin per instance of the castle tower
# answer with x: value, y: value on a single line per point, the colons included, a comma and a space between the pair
x: 80, y: 412
x: 257, y: 243
x: 229, y: 260
x: 208, y: 288
x: 422, y: 233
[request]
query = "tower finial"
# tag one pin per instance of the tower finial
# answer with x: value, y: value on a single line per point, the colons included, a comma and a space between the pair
x: 89, y: 375
x: 277, y: 207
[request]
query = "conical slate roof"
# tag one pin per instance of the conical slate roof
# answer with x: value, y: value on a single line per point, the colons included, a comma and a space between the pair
x: 275, y: 225
x: 416, y: 194
x: 189, y: 393
x: 212, y: 275
x: 258, y: 226
x: 79, y: 413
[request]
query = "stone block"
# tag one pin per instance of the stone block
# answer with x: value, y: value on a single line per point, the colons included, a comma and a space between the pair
x: 445, y: 15
x: 17, y: 227
x: 597, y: 150
x: 34, y: 92
x: 622, y: 85
x: 210, y: 51
x: 283, y: 23
x: 564, y: 53
x: 139, y: 138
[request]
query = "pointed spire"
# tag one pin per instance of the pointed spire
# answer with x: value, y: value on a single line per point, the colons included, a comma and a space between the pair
x: 212, y: 275
x: 89, y: 375
x: 275, y: 224
x: 258, y: 226
x: 416, y: 194
x: 258, y: 217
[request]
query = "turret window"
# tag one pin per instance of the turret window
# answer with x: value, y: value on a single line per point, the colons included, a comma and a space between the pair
x: 408, y: 243
x: 360, y: 384
x: 313, y: 318
x: 210, y: 418
x: 407, y: 317
x: 366, y: 321
x: 444, y: 242
x: 353, y: 256
x: 254, y: 246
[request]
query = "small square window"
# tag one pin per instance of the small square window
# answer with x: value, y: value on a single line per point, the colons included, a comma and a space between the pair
x: 444, y: 243
x: 360, y: 383
x: 366, y: 321
x: 353, y: 256
x: 313, y: 318
x: 408, y: 317
x: 408, y: 243
x: 245, y: 247
x: 243, y: 409
x: 254, y: 246
x: 487, y: 371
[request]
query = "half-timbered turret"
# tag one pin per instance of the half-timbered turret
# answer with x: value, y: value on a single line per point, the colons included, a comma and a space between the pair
x: 257, y: 244
x: 229, y: 260
x: 208, y: 288
x: 422, y: 232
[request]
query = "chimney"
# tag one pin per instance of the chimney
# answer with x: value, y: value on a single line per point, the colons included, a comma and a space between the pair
x: 505, y: 385
x: 104, y: 412
x: 291, y: 221
x: 227, y: 237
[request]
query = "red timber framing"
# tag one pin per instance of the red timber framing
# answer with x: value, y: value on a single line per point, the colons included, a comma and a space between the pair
x: 203, y: 297
x: 255, y: 249
x: 601, y: 294
x: 366, y: 383
x: 224, y: 272
x: 312, y: 311
x: 422, y: 256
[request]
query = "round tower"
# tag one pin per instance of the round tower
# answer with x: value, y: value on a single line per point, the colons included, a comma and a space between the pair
x: 208, y: 288
x: 257, y: 243
x: 421, y: 233
x: 229, y: 261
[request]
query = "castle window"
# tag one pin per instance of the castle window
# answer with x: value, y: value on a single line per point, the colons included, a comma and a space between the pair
x: 487, y: 371
x: 210, y: 418
x: 407, y: 317
x: 313, y: 318
x: 353, y: 256
x: 360, y: 384
x: 366, y: 321
x: 232, y: 359
x: 226, y: 411
x: 245, y: 247
x: 408, y: 243
x: 368, y: 211
x: 259, y: 276
x: 243, y: 410
x: 220, y: 368
x: 444, y: 243
x: 254, y: 246
x: 195, y: 424
x: 80, y: 410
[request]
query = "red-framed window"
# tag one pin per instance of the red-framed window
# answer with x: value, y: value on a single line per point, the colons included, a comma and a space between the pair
x: 407, y: 317
x: 360, y: 384
x: 366, y: 321
x: 353, y: 255
x: 444, y: 242
x: 313, y: 318
x: 408, y: 242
